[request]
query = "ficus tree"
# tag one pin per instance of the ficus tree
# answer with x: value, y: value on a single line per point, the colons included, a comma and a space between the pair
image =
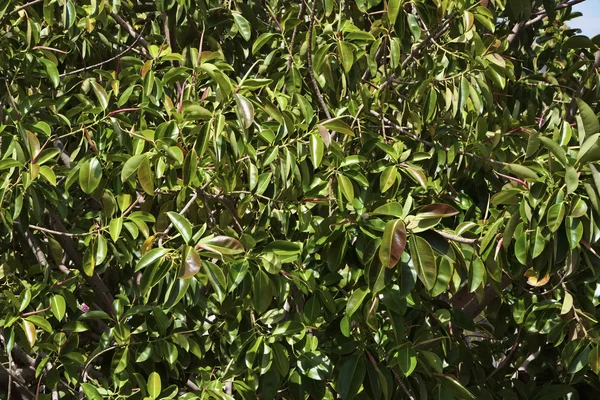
x: 287, y: 200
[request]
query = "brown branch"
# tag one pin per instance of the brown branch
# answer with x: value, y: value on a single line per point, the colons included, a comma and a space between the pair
x: 101, y: 63
x: 467, y: 303
x: 39, y: 254
x: 294, y: 32
x: 456, y: 238
x: 537, y: 16
x: 183, y: 211
x: 42, y: 229
x: 508, y: 357
x: 125, y: 25
x: 542, y: 11
x: 407, y: 133
x: 103, y: 295
x: 311, y: 71
x: 418, y: 50
x: 31, y: 3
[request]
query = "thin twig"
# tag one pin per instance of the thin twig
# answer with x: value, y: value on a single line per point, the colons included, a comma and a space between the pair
x: 87, y: 364
x: 311, y: 71
x: 417, y: 50
x: 42, y: 229
x: 31, y: 3
x: 456, y: 238
x: 10, y: 378
x: 414, y: 137
x: 125, y: 25
x: 294, y: 32
x: 183, y: 211
x: 101, y: 63
x: 508, y: 357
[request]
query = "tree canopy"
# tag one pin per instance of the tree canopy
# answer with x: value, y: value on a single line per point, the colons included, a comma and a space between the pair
x: 281, y: 200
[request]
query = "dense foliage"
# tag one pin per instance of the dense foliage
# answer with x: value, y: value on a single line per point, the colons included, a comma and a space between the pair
x: 276, y: 199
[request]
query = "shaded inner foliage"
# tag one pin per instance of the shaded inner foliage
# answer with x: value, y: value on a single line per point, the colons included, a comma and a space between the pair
x: 272, y: 199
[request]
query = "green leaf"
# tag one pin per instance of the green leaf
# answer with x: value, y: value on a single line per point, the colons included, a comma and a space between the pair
x: 154, y: 385
x: 555, y: 216
x: 406, y: 358
x: 555, y: 149
x: 89, y: 261
x: 40, y: 322
x: 424, y: 261
x: 223, y: 245
x: 413, y: 26
x: 190, y: 167
x: 521, y: 171
x: 393, y: 10
x: 245, y: 109
x: 100, y: 94
x: 181, y: 223
x: 91, y: 392
x: 145, y: 176
x: 10, y: 163
x: 114, y: 228
x: 242, y: 25
x: 288, y: 328
x: 456, y: 388
x: 346, y: 187
x: 284, y: 247
x: 434, y: 361
x: 468, y: 20
x: 465, y: 89
x: 476, y: 274
x: 190, y: 263
x: 594, y: 359
x: 387, y: 178
x: 58, y: 306
x: 393, y: 243
x: 590, y: 149
x: 151, y: 257
x: 338, y: 126
x: 393, y: 209
x: 263, y: 292
x: 430, y: 106
x: 436, y: 210
x: 578, y: 42
x: 590, y: 121
x: 95, y: 314
x: 90, y: 175
x: 195, y: 112
x: 356, y: 300
x: 52, y: 71
x: 351, y: 376
x: 219, y: 77
x: 572, y: 179
x: 263, y: 39
x: 347, y: 55
x: 131, y: 166
x: 316, y: 147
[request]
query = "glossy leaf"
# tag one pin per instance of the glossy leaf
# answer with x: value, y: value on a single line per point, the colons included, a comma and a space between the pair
x: 424, y: 261
x: 90, y: 175
x: 393, y: 243
x: 183, y: 226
